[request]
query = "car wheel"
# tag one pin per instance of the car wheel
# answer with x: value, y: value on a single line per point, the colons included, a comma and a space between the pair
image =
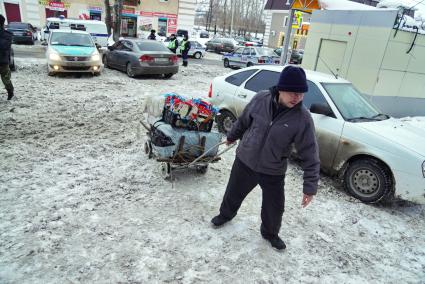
x: 369, y: 181
x: 129, y: 70
x: 225, y: 121
x: 105, y: 61
x: 249, y: 64
x: 226, y: 63
x: 197, y: 55
x: 168, y: 76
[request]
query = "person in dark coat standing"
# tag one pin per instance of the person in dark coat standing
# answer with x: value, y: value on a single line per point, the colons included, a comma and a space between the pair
x: 5, y: 46
x: 152, y: 35
x: 173, y: 44
x: 185, y: 47
x: 273, y: 121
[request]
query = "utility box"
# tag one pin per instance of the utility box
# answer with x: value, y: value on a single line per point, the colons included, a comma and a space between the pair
x: 366, y: 47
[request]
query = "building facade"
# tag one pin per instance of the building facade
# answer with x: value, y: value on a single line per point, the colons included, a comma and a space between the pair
x: 138, y: 16
x: 277, y: 18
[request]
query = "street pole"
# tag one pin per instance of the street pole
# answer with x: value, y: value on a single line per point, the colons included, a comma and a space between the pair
x: 284, y: 55
x: 231, y: 22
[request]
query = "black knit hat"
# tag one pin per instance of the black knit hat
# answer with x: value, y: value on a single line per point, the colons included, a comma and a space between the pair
x: 292, y: 79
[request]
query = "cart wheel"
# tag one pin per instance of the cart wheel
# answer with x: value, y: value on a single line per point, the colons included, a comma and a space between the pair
x: 165, y: 170
x: 201, y: 169
x: 148, y: 149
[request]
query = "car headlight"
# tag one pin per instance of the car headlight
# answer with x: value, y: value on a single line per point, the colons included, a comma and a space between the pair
x: 423, y: 169
x: 95, y: 57
x: 54, y: 56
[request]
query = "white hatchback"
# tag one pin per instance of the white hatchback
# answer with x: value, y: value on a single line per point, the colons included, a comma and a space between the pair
x: 377, y: 156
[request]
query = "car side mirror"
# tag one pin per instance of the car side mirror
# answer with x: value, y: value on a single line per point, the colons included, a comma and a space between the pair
x: 97, y: 45
x: 46, y: 31
x: 110, y: 48
x: 44, y: 43
x: 322, y: 109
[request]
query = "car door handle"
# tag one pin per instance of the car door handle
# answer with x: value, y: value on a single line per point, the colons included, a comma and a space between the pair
x: 242, y: 95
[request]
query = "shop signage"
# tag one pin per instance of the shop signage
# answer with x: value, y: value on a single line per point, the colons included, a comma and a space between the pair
x: 94, y: 8
x: 172, y: 25
x: 57, y: 6
x: 159, y: 15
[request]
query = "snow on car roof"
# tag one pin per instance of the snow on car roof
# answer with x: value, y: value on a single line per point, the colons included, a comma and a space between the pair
x: 313, y: 75
x: 68, y: 31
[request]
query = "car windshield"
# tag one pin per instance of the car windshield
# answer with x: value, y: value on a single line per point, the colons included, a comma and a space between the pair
x: 351, y: 103
x: 151, y: 46
x: 71, y: 39
x: 266, y: 52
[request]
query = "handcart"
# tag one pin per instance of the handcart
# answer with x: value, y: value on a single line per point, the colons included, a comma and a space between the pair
x: 177, y: 149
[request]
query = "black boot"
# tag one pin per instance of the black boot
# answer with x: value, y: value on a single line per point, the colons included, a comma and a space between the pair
x: 185, y: 63
x: 9, y: 94
x: 219, y: 220
x: 275, y: 241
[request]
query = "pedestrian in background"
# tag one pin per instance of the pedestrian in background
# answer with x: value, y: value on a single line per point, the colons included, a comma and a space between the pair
x: 273, y: 121
x: 173, y: 44
x: 5, y: 47
x: 152, y: 35
x: 184, y: 47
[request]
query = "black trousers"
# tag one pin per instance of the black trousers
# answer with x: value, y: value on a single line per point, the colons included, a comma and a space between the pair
x: 241, y: 182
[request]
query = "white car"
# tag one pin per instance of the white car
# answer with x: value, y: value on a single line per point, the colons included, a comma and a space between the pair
x: 377, y: 156
x: 72, y: 51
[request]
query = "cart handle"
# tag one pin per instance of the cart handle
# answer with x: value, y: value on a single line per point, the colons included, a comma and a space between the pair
x: 213, y: 147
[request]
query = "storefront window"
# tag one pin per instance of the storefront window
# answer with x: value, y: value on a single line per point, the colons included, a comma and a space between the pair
x: 162, y: 26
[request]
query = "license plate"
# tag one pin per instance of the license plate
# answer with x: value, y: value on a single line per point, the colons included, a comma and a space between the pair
x: 161, y: 59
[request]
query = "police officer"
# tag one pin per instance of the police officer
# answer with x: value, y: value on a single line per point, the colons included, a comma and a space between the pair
x: 184, y: 47
x: 152, y: 36
x: 5, y: 46
x: 173, y: 44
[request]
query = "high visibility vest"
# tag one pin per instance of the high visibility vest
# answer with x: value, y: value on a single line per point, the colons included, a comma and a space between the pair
x: 183, y: 45
x: 172, y: 44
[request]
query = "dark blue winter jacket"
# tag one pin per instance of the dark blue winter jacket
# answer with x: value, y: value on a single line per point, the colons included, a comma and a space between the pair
x: 5, y: 45
x: 266, y: 142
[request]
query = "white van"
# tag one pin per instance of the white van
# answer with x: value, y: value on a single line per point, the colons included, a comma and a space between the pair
x: 97, y: 29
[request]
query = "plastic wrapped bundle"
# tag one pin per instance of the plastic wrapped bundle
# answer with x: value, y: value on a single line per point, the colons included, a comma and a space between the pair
x: 167, y: 148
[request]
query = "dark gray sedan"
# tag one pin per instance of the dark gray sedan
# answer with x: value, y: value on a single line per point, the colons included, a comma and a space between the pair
x: 141, y: 57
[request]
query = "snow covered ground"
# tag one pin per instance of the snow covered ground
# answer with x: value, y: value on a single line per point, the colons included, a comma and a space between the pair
x: 81, y: 203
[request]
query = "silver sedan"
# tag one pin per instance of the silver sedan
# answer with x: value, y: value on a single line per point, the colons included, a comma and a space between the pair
x: 141, y: 57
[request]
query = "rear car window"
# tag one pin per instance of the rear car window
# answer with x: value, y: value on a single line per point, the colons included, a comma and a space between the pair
x: 264, y: 80
x: 17, y: 26
x: 238, y: 78
x: 151, y: 46
x: 266, y: 52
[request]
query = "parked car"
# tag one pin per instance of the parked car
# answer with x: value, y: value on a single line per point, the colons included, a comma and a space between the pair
x: 296, y: 55
x: 141, y: 57
x: 204, y: 34
x: 72, y: 51
x: 250, y: 56
x: 376, y: 155
x: 221, y: 45
x: 22, y: 32
x: 196, y: 50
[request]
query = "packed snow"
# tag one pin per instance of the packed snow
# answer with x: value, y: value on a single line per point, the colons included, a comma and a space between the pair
x: 80, y: 202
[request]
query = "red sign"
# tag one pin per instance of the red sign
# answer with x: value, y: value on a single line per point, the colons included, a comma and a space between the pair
x: 146, y: 14
x: 172, y: 26
x: 127, y: 11
x: 56, y: 5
